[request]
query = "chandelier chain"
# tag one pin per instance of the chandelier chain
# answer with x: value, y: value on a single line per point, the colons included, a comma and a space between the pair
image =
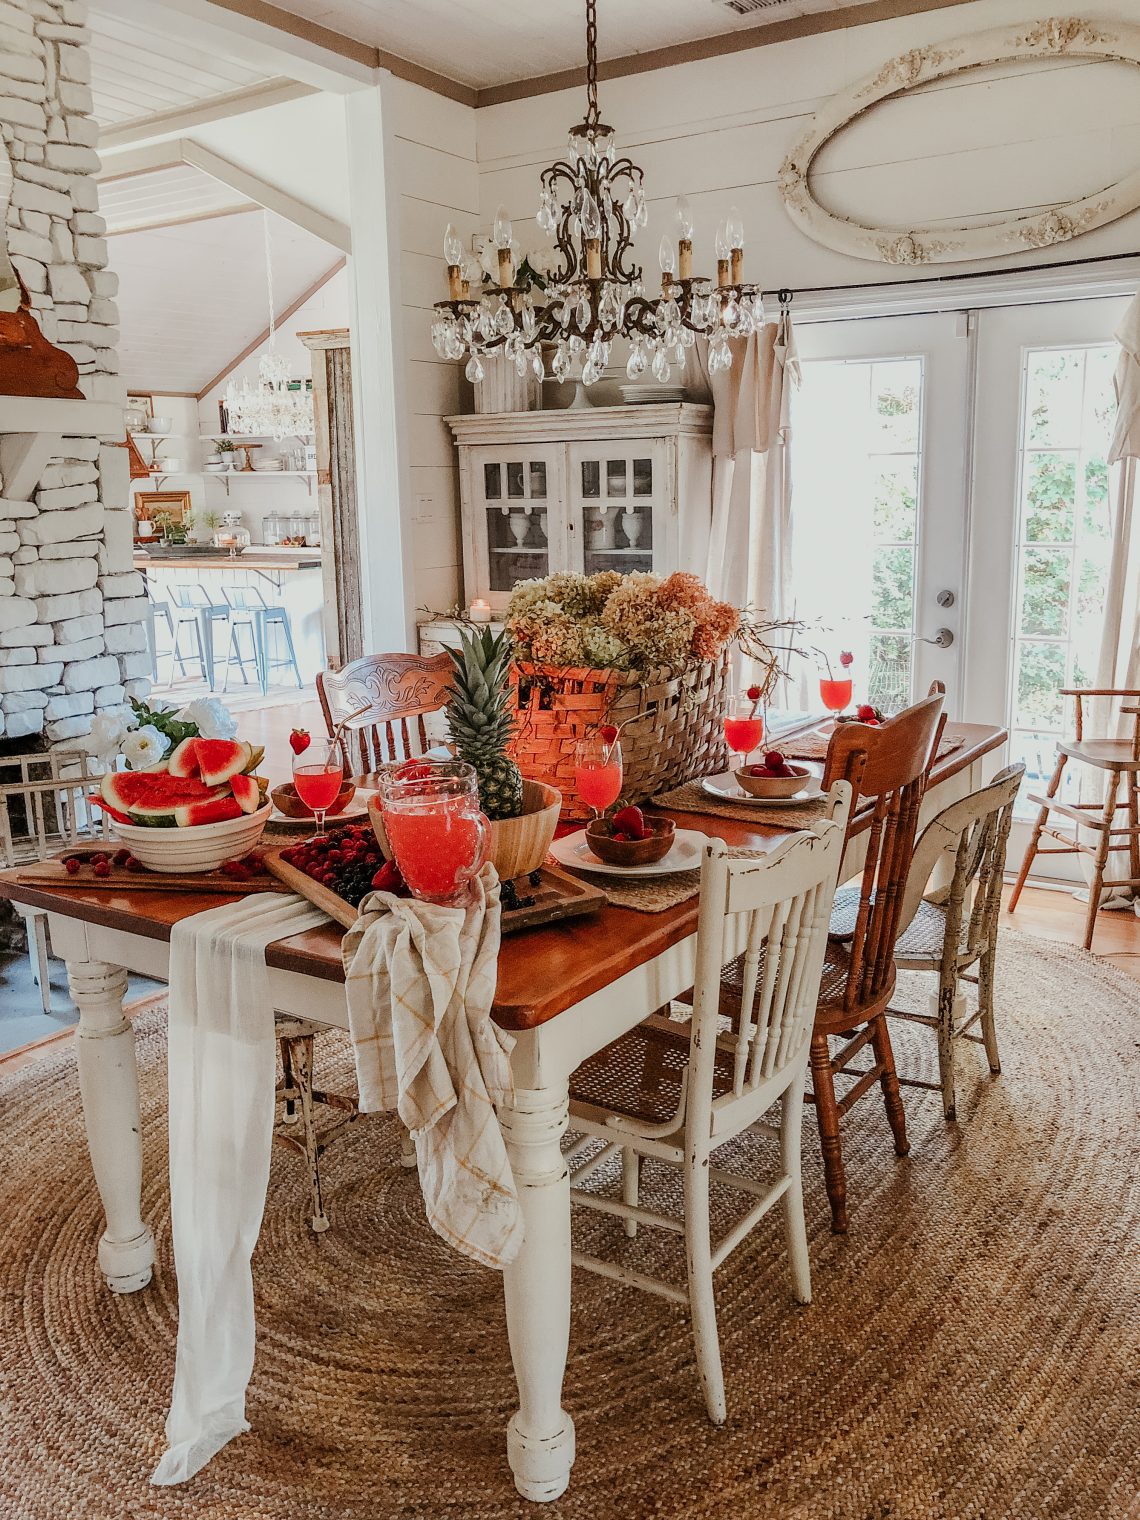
x: 269, y: 279
x: 592, y: 113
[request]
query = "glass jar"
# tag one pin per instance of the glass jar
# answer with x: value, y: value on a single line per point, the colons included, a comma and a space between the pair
x: 435, y: 830
x: 271, y: 528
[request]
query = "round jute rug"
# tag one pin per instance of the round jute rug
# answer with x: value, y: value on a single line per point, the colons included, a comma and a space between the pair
x: 973, y: 1349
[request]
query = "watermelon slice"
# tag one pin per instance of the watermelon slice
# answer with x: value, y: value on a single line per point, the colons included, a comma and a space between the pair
x: 213, y: 810
x: 219, y: 759
x: 247, y: 792
x: 183, y: 760
x: 153, y: 797
x: 112, y: 812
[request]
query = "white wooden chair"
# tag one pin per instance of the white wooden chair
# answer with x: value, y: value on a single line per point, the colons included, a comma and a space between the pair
x: 676, y: 1091
x: 955, y: 926
x: 51, y: 813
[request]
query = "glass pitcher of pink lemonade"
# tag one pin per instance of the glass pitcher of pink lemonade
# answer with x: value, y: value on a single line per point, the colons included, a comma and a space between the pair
x: 438, y: 836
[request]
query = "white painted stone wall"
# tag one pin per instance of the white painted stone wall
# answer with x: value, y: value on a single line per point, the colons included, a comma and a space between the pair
x: 71, y: 605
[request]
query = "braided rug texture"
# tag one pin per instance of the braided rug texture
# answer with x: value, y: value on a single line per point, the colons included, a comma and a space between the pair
x: 972, y: 1351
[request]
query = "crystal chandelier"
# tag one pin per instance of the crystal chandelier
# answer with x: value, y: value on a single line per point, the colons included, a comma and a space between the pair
x: 278, y: 406
x: 591, y: 204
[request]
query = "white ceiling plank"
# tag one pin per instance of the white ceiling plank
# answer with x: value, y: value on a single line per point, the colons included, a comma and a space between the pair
x: 163, y: 125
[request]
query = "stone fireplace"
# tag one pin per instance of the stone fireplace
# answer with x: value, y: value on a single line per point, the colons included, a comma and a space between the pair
x: 72, y: 607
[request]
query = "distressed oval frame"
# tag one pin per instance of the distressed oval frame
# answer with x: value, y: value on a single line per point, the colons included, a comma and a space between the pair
x: 1057, y: 37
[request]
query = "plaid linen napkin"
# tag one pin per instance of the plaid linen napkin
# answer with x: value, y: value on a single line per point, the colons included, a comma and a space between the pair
x: 420, y: 980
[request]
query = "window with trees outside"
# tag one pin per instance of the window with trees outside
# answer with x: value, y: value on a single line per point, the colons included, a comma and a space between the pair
x: 1068, y: 411
x: 858, y: 465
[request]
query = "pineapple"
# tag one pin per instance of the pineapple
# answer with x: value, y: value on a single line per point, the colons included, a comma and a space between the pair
x: 480, y: 722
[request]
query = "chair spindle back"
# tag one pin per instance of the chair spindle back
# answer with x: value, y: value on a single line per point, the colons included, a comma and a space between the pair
x: 52, y: 811
x: 396, y: 691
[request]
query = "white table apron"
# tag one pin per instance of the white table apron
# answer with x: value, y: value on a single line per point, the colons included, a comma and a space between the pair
x: 540, y: 1436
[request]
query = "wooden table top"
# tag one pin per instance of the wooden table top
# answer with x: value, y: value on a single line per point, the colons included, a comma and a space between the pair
x: 542, y: 971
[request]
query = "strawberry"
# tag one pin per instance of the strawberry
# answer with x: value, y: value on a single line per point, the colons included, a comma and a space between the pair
x: 299, y: 740
x: 865, y: 712
x: 631, y: 821
x: 389, y: 879
x: 102, y: 867
x: 609, y: 734
x: 754, y: 693
x: 774, y: 760
x: 846, y: 659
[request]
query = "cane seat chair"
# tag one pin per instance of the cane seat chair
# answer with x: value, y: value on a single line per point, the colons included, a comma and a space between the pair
x: 889, y: 765
x: 1118, y: 760
x: 955, y: 926
x: 677, y: 1091
x: 43, y: 810
x: 382, y: 700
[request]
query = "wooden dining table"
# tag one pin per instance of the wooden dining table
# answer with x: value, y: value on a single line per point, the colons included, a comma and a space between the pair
x: 565, y: 991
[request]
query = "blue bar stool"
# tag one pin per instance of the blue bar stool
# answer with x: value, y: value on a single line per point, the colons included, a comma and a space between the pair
x: 249, y: 609
x: 194, y: 609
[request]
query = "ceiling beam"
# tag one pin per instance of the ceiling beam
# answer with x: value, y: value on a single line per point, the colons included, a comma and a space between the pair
x: 154, y: 157
x: 173, y: 123
x: 263, y: 336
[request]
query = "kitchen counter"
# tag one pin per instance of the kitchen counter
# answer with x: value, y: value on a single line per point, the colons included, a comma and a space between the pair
x: 257, y: 557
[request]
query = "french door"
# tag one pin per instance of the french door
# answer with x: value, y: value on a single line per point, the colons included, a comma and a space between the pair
x: 951, y: 484
x: 880, y: 495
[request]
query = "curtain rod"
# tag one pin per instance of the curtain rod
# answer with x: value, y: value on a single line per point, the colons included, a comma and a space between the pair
x: 784, y: 295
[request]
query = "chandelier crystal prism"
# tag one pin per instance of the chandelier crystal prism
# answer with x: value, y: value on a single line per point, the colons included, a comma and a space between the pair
x: 592, y: 203
x: 277, y: 406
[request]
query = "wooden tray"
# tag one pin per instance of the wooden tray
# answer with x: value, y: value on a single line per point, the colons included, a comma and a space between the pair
x: 558, y: 895
x: 50, y: 873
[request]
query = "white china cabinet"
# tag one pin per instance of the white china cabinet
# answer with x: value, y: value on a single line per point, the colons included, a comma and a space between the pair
x: 581, y: 489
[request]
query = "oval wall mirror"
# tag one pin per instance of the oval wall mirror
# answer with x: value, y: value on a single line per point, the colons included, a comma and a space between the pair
x: 1058, y: 37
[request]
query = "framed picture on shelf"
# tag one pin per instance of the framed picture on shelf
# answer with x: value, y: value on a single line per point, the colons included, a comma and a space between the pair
x: 139, y: 403
x: 174, y: 505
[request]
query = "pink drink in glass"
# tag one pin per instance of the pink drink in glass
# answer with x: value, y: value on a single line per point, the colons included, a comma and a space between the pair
x: 835, y: 695
x: 317, y: 785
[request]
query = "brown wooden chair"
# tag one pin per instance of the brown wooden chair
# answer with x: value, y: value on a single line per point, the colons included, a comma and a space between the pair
x: 382, y: 700
x: 1119, y: 761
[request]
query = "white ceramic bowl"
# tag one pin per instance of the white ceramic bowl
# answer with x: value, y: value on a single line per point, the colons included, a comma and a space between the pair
x: 193, y: 850
x: 158, y: 425
x: 170, y: 463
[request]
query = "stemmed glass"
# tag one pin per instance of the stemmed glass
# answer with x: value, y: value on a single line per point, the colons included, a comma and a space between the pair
x: 743, y: 724
x: 598, y: 771
x: 835, y: 694
x: 318, y: 772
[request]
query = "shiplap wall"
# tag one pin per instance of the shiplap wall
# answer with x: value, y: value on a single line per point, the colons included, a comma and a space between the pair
x: 435, y: 158
x: 718, y: 130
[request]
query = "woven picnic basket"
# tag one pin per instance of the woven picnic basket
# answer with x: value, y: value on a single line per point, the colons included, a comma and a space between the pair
x: 677, y: 734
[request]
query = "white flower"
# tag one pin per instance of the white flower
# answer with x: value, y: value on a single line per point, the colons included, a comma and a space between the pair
x: 211, y: 717
x: 543, y: 261
x: 145, y: 747
x: 108, y: 730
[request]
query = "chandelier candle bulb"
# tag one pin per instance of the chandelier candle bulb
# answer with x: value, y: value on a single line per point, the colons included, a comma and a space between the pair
x: 453, y: 257
x: 593, y: 258
x: 684, y: 237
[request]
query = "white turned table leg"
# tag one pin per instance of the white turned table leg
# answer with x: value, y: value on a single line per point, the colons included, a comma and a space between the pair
x: 109, y: 1087
x: 540, y: 1437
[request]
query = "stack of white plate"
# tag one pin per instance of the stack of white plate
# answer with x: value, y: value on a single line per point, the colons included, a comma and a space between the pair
x: 638, y: 395
x: 273, y: 463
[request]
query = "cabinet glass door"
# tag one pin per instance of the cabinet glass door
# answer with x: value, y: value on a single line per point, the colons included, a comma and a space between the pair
x: 513, y: 486
x: 615, y: 490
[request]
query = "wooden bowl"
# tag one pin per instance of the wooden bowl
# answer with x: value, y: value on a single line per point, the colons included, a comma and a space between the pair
x: 631, y: 852
x: 286, y: 800
x: 518, y: 845
x: 775, y: 786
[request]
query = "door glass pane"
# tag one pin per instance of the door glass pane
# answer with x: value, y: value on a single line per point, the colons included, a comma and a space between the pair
x: 615, y: 477
x: 591, y: 477
x: 538, y: 478
x: 858, y: 429
x: 492, y: 482
x: 516, y: 544
x: 1069, y: 409
x: 643, y: 477
x: 515, y: 485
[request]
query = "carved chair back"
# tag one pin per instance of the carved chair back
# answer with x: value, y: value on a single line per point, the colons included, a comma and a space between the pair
x: 973, y: 832
x: 44, y: 808
x: 390, y: 694
x: 776, y: 907
x: 891, y: 764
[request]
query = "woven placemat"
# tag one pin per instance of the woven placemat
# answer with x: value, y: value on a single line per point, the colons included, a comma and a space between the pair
x: 813, y: 745
x: 692, y: 798
x: 654, y: 895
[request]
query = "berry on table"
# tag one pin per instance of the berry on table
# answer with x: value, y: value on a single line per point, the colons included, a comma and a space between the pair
x: 236, y: 870
x: 102, y: 867
x: 121, y: 857
x: 71, y: 865
x: 299, y: 740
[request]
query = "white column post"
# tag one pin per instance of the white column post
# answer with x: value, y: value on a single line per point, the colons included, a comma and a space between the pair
x: 540, y: 1436
x: 379, y: 373
x: 109, y: 1088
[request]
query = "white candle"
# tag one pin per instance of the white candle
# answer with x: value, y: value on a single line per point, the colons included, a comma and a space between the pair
x: 480, y: 611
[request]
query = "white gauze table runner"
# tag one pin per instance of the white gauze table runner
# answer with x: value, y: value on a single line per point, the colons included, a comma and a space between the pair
x: 420, y: 981
x: 221, y: 1078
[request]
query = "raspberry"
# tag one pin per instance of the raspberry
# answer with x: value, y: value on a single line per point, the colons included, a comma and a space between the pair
x: 235, y: 870
x: 255, y: 860
x: 102, y: 867
x: 121, y: 857
x: 135, y: 865
x: 71, y: 865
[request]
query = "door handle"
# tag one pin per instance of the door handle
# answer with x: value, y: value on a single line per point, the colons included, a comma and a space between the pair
x: 943, y: 638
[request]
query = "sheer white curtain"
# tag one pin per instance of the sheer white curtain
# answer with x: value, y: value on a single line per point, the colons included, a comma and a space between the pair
x: 1118, y: 662
x: 744, y: 544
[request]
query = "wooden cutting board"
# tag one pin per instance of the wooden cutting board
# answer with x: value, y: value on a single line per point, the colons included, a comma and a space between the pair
x: 558, y: 895
x: 50, y: 873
